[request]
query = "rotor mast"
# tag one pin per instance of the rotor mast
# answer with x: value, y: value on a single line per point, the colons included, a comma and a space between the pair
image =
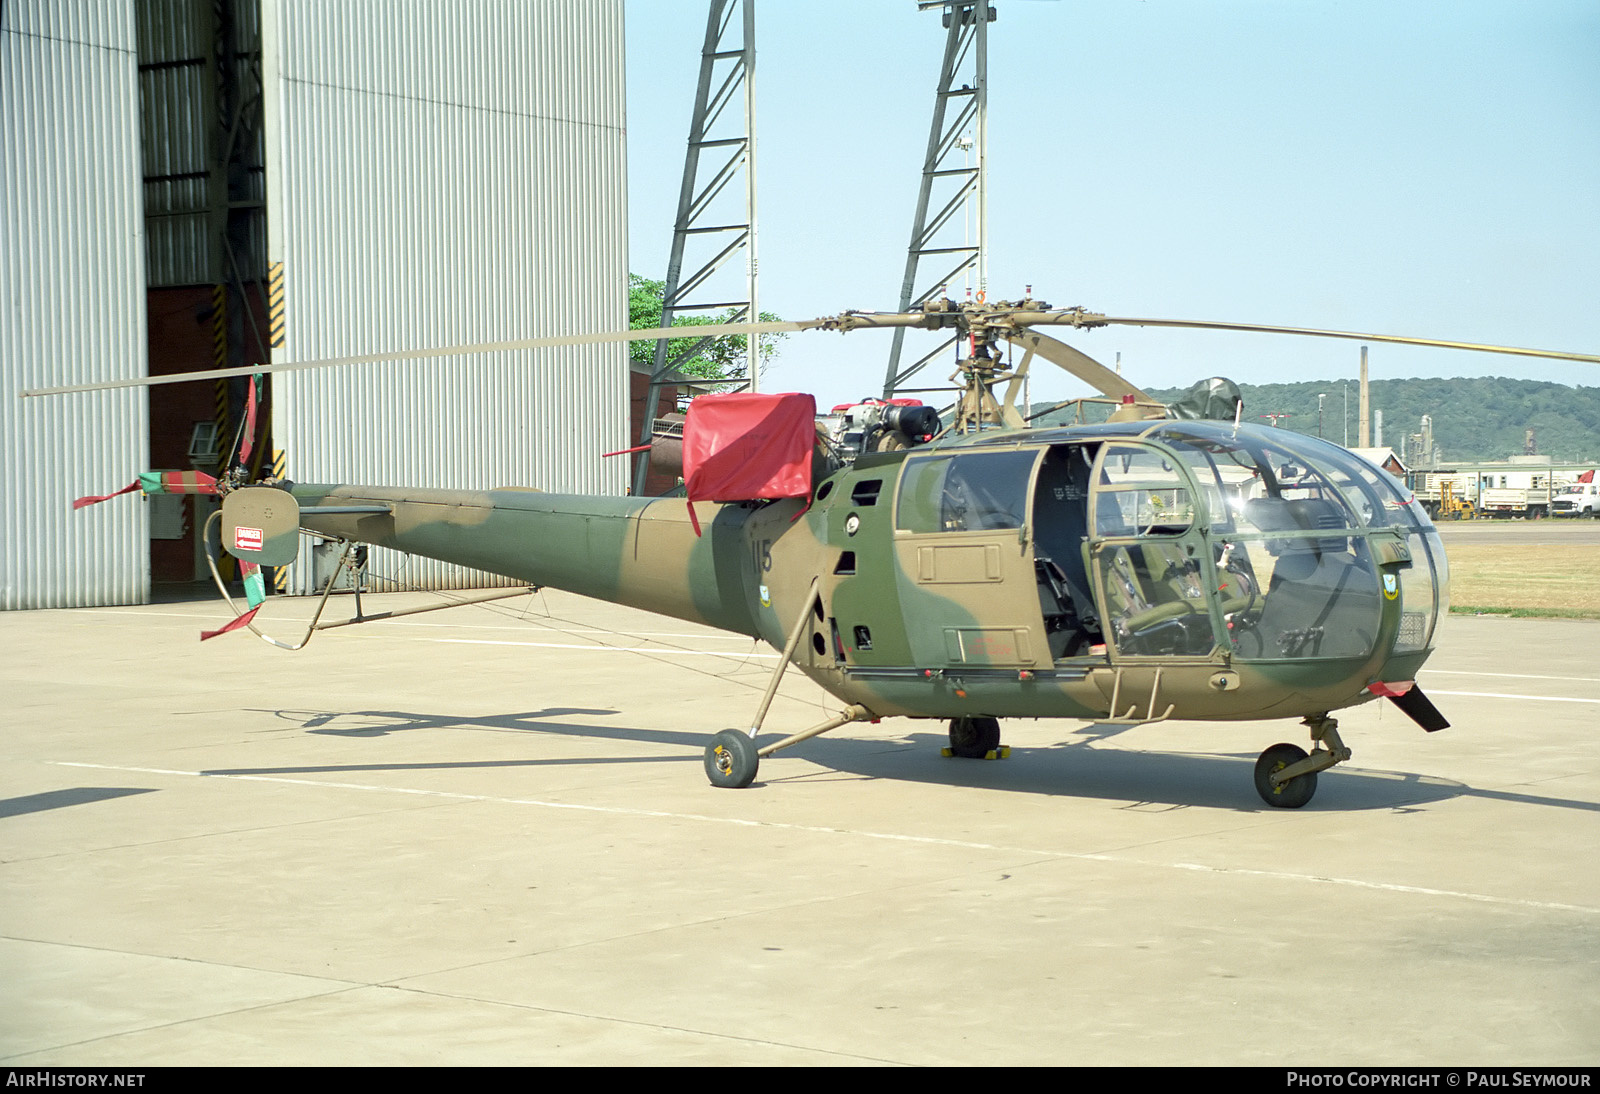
x: 983, y: 325
x: 703, y: 225
x: 952, y: 157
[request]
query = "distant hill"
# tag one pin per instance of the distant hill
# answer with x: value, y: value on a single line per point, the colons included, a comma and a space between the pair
x: 1476, y: 418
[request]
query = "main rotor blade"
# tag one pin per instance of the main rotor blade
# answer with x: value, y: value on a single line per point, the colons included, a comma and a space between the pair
x: 1078, y: 363
x: 1261, y: 328
x: 709, y: 330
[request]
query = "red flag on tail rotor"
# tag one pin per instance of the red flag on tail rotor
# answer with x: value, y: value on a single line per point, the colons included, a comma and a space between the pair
x: 236, y: 623
x: 255, y: 594
x: 95, y: 499
x: 159, y: 482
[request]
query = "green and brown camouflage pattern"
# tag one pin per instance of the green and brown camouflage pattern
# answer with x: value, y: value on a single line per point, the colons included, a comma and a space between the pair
x: 945, y: 622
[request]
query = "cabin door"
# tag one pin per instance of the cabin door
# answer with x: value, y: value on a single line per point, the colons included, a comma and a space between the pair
x: 965, y: 560
x: 1150, y: 566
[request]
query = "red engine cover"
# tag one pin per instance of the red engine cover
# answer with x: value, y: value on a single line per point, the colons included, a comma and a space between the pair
x: 743, y: 447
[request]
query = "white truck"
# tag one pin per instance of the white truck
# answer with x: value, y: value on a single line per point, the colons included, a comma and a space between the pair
x: 1579, y: 499
x: 1515, y: 493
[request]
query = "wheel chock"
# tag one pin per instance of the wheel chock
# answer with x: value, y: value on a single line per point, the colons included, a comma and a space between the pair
x: 1001, y: 753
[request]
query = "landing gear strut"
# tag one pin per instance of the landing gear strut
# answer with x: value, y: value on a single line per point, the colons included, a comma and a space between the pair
x: 732, y: 756
x: 1286, y: 776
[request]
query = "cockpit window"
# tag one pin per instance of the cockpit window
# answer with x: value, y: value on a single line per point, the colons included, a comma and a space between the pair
x: 1293, y: 580
x: 1261, y: 487
x: 1380, y: 499
x: 1141, y: 492
x: 965, y: 492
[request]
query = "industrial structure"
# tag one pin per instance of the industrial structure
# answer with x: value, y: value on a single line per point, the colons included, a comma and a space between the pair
x: 949, y: 230
x: 245, y: 181
x: 716, y: 217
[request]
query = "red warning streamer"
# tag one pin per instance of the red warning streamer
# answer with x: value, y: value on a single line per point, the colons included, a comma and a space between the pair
x: 235, y: 624
x: 96, y: 499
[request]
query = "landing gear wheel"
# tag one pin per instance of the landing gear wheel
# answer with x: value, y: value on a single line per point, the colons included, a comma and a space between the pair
x: 1292, y: 794
x: 731, y: 759
x: 974, y: 738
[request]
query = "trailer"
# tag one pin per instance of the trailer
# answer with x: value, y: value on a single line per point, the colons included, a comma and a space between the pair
x: 1488, y: 491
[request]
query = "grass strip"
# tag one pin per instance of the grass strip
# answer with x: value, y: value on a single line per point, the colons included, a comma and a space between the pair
x: 1526, y: 581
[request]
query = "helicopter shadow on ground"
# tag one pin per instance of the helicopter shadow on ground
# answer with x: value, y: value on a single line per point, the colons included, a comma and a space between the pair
x: 1140, y: 778
x: 383, y: 723
x: 1082, y: 767
x: 1150, y: 780
x: 61, y: 799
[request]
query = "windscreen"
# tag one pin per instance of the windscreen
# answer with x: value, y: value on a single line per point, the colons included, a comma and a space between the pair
x: 1294, y: 579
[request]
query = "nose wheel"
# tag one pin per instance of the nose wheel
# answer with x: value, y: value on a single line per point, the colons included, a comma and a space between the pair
x: 1286, y: 775
x: 1276, y: 790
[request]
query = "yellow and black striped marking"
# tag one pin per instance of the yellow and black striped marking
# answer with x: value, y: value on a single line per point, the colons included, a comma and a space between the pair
x: 275, y: 318
x: 280, y: 471
x: 219, y: 358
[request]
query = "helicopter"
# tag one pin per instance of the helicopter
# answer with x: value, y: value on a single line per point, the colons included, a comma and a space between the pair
x: 1171, y: 562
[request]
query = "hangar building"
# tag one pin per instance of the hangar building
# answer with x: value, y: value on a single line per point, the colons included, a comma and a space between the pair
x: 201, y: 183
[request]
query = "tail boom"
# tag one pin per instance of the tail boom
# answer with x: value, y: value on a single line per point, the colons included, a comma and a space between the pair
x: 642, y: 552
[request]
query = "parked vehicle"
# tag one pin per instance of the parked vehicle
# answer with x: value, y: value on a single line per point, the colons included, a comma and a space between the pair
x: 1580, y: 499
x: 1514, y: 493
x: 1445, y: 495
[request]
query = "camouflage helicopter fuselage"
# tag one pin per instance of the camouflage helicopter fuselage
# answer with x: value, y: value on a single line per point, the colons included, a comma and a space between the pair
x: 1132, y: 571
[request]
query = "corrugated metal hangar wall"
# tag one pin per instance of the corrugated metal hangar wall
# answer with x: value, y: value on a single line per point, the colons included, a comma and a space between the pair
x: 435, y: 175
x: 443, y: 175
x: 71, y: 303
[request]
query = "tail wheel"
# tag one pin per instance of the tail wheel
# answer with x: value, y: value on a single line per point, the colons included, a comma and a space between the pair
x: 1286, y: 795
x: 732, y: 760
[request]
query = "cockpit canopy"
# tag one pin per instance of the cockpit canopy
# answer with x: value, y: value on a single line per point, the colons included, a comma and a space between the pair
x: 1189, y: 537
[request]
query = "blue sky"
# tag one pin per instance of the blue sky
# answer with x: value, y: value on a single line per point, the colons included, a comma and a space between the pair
x: 1417, y: 167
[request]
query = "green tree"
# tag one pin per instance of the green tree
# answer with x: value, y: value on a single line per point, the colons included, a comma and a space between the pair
x: 720, y: 359
x: 1474, y: 418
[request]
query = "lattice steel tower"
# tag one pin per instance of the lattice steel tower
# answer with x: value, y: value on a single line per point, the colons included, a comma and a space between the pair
x: 722, y: 149
x: 952, y: 173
